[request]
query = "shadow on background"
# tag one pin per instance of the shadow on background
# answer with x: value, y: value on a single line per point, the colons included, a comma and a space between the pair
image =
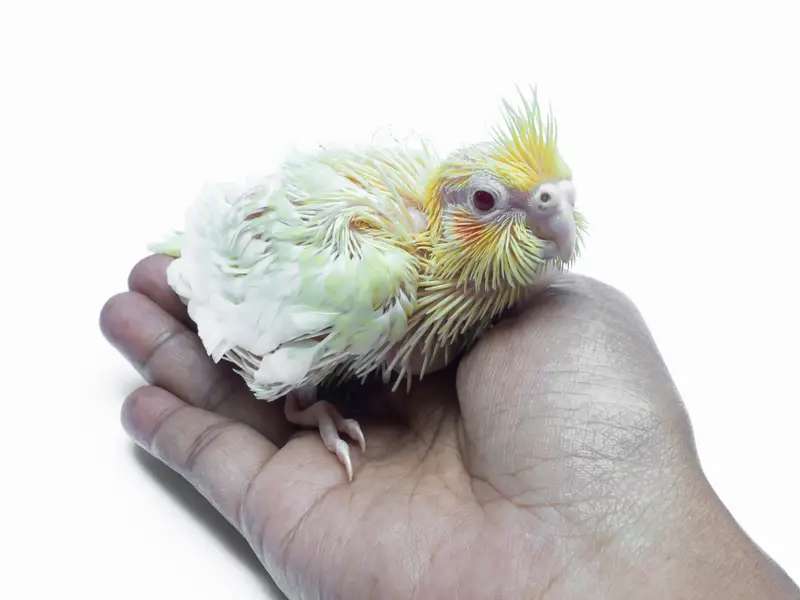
x: 205, y: 514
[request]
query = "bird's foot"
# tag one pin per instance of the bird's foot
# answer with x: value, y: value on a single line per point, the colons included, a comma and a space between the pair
x: 324, y: 415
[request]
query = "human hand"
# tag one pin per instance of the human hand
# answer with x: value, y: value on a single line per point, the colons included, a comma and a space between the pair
x: 555, y: 461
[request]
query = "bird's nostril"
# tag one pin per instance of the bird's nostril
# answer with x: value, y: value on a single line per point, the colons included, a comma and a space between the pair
x: 544, y: 198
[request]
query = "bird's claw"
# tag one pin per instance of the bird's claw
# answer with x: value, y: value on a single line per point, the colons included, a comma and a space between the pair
x: 324, y: 416
x: 353, y: 429
x: 342, y: 452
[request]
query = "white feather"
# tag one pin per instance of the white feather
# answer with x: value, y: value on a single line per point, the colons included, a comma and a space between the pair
x: 281, y: 282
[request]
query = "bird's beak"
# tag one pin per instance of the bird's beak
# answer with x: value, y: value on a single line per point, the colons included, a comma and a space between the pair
x: 562, y: 225
x: 554, y: 219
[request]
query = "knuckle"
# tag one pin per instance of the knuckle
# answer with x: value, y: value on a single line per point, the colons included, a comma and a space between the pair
x: 204, y: 442
x: 170, y: 336
x: 160, y: 431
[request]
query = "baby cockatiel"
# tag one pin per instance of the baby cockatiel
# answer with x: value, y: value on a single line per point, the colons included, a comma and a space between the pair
x: 349, y: 261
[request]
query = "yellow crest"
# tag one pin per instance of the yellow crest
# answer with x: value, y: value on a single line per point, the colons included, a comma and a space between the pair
x: 525, y: 152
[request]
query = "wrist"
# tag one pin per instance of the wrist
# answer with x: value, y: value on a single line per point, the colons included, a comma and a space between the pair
x: 690, y: 547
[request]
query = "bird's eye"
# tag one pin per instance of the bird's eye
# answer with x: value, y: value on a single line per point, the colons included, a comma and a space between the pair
x: 484, y: 201
x: 544, y: 198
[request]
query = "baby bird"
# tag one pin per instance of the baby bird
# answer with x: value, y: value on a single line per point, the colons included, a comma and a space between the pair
x: 349, y: 261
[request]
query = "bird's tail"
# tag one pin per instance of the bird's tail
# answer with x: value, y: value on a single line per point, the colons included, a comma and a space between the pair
x: 171, y: 246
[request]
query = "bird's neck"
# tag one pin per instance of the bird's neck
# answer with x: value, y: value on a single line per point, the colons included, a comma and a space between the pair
x: 448, y: 318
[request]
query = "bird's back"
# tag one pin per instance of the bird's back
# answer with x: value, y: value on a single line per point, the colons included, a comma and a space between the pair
x: 311, y: 273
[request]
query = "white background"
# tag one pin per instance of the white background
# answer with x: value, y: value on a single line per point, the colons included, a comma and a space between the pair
x: 679, y: 119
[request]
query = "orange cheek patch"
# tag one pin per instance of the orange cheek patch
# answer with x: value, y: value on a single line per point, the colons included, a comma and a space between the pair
x: 471, y: 232
x: 467, y: 228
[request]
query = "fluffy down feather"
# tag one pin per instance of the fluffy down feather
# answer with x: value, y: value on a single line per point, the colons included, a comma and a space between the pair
x: 309, y: 274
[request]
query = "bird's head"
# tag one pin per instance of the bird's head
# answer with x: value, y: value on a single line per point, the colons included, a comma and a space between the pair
x: 502, y: 212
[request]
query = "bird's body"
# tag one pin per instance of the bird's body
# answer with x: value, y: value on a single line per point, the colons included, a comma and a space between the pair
x: 350, y: 261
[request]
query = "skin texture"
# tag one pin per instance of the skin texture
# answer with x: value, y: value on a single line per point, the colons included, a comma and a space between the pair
x: 554, y: 461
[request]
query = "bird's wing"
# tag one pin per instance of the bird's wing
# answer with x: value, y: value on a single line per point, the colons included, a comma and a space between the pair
x: 307, y: 275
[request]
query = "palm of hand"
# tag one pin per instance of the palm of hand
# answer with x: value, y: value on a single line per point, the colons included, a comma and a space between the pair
x: 523, y: 472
